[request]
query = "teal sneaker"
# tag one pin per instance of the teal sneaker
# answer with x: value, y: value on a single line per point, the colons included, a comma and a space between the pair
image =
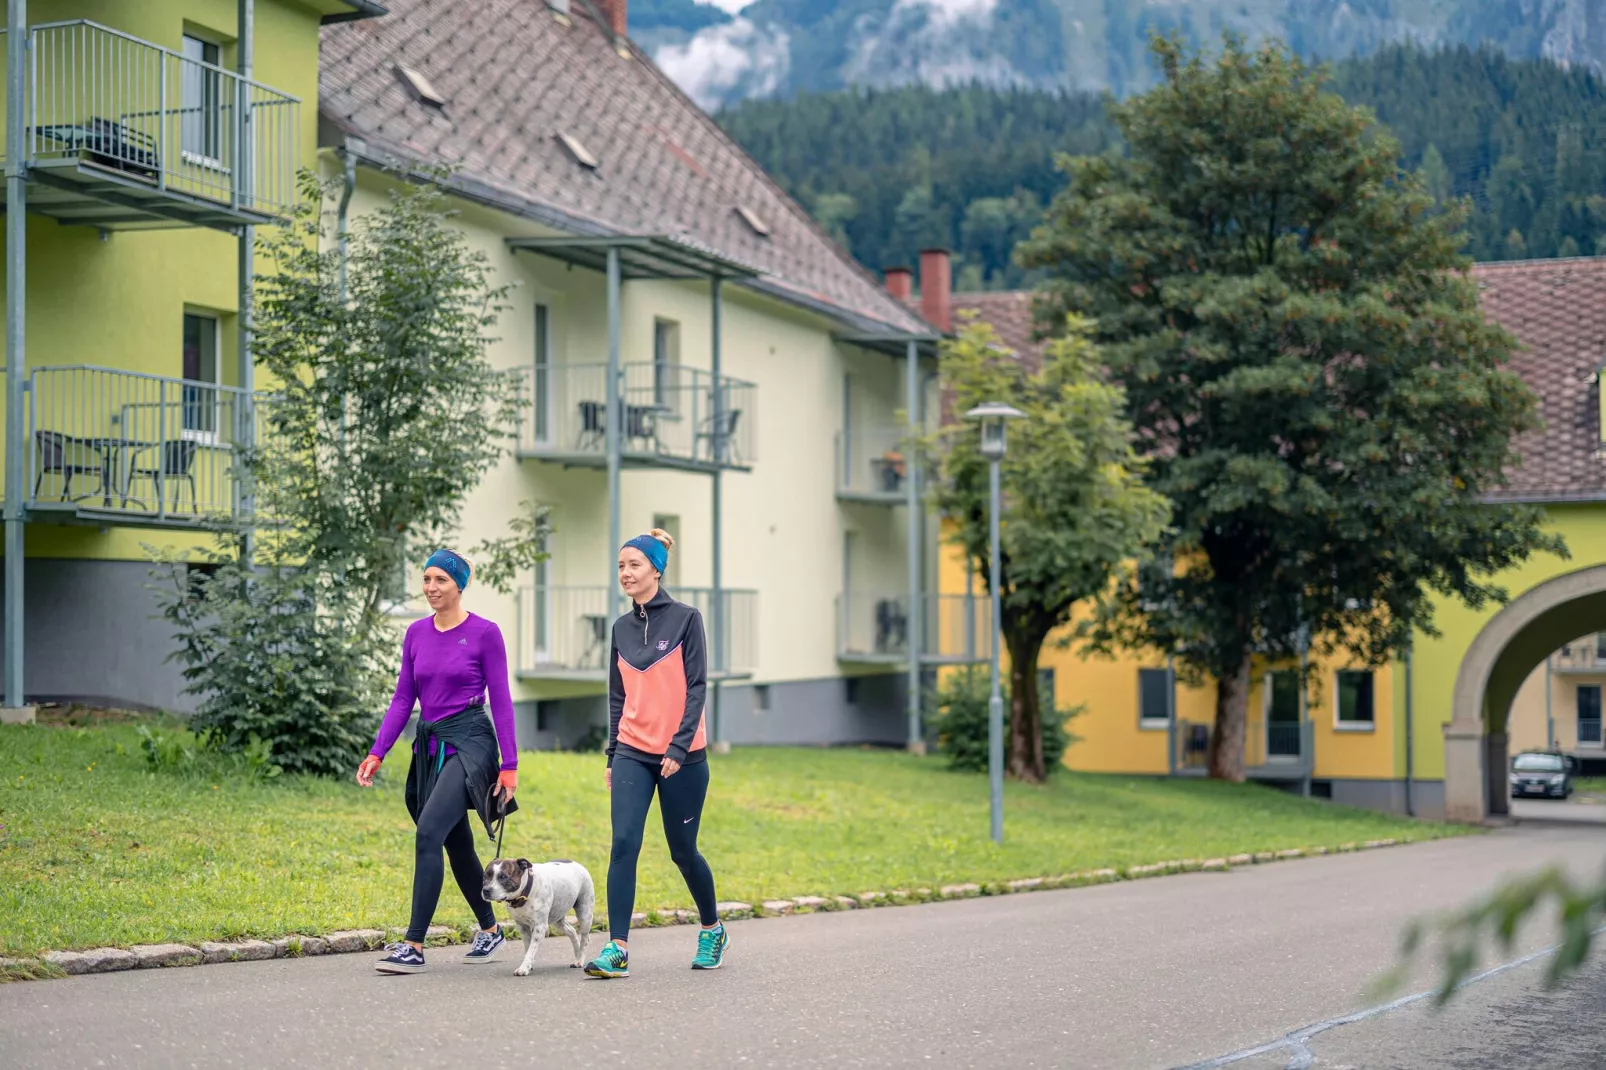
x: 711, y: 945
x: 613, y: 962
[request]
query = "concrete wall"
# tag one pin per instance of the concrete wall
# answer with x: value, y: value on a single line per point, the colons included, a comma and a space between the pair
x: 90, y: 637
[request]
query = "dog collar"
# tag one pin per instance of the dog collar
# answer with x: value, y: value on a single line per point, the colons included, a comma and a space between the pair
x: 524, y: 891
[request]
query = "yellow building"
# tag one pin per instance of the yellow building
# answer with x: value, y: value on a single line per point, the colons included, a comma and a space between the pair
x: 143, y: 143
x: 761, y: 380
x: 1431, y: 734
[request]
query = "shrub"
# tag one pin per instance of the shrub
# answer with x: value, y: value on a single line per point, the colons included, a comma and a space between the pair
x: 961, y: 723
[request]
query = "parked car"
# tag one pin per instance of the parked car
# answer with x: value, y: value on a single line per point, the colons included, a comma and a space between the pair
x: 1541, y: 773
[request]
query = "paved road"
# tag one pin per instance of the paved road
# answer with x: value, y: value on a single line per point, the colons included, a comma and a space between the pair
x: 1153, y: 974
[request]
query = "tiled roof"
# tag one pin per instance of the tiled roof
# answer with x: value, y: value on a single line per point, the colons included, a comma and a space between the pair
x: 514, y: 77
x: 1557, y: 311
x: 1010, y: 313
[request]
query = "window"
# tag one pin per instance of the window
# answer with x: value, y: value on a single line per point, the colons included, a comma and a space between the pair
x: 398, y: 588
x: 670, y: 524
x: 666, y: 386
x: 1541, y: 763
x: 200, y: 373
x: 542, y: 399
x: 1589, y: 730
x: 1154, y: 694
x: 761, y: 697
x: 421, y: 86
x: 1282, y: 715
x: 1045, y: 690
x: 1600, y: 646
x: 201, y: 125
x: 1355, y: 708
x: 850, y: 691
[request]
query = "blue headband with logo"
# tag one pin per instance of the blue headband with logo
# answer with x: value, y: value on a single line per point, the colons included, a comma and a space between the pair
x: 452, y: 565
x: 657, y: 553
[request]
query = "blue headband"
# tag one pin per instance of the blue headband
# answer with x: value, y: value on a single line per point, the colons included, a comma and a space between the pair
x: 452, y: 565
x: 657, y: 553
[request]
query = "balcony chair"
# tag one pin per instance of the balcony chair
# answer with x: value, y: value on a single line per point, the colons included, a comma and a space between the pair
x: 177, y: 464
x: 57, y: 455
x: 724, y: 434
x: 108, y: 143
x: 891, y: 627
x: 593, y: 425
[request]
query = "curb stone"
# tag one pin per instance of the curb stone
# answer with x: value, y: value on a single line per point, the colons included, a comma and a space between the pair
x: 156, y: 956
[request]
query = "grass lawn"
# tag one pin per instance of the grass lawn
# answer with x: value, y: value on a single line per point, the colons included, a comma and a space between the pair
x: 95, y: 850
x: 1591, y: 785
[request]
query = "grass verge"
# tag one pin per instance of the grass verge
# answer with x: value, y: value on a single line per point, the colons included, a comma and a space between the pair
x: 96, y: 850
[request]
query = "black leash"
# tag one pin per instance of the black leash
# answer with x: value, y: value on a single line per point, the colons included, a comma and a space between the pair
x: 501, y: 819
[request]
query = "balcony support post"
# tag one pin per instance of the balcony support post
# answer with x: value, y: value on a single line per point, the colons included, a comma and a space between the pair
x: 244, y: 411
x: 911, y: 485
x: 16, y: 356
x: 717, y: 621
x: 612, y: 438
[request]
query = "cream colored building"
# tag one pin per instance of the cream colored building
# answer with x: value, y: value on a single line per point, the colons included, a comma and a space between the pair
x: 764, y: 378
x: 1558, y: 706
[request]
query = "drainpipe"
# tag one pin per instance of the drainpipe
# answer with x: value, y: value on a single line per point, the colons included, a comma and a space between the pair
x: 1550, y: 722
x: 1171, y: 714
x: 917, y: 609
x: 614, y: 426
x: 1306, y: 733
x: 342, y: 222
x: 16, y: 356
x: 1410, y: 754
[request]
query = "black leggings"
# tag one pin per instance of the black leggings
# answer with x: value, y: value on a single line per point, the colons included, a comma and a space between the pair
x: 680, y: 803
x: 443, y: 822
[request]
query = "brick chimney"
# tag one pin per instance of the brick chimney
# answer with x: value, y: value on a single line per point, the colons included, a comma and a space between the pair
x: 900, y: 283
x: 936, y: 284
x: 614, y: 11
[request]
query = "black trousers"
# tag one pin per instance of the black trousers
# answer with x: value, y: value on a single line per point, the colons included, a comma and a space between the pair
x: 680, y: 803
x: 443, y: 822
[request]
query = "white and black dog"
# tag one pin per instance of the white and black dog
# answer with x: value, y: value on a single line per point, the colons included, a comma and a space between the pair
x: 541, y: 896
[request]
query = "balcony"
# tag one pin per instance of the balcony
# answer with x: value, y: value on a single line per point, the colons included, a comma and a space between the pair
x: 1586, y: 657
x: 668, y: 421
x: 124, y: 134
x: 872, y: 466
x: 1278, y: 750
x: 563, y: 631
x: 874, y: 629
x: 120, y: 448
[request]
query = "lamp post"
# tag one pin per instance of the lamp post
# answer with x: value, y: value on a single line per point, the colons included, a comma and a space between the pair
x: 993, y: 446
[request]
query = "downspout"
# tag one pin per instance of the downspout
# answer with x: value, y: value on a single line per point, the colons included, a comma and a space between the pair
x: 342, y: 222
x: 1410, y: 741
x: 1550, y: 722
x: 717, y: 609
x: 246, y: 253
x: 915, y: 636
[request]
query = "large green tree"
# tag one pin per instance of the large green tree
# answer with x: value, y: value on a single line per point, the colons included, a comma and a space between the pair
x: 1306, y: 366
x: 387, y: 412
x: 1075, y: 509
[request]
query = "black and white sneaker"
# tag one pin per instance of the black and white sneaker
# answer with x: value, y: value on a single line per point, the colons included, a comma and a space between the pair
x: 486, y: 944
x: 403, y: 958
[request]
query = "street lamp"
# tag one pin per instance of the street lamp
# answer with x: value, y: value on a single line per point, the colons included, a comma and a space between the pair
x: 993, y: 446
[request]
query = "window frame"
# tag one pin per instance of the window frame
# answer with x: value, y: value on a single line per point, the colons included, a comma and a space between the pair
x: 209, y: 152
x: 1339, y: 723
x: 1155, y: 724
x: 207, y: 436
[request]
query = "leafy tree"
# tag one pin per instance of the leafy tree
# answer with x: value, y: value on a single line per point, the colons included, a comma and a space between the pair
x: 1074, y: 505
x: 1435, y: 176
x: 388, y: 413
x: 1307, y: 368
x: 961, y: 721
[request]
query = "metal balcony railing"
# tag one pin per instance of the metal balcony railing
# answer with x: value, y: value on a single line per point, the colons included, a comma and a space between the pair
x: 136, y: 448
x: 873, y: 464
x: 668, y: 417
x: 875, y: 628
x: 1589, y: 732
x: 564, y: 631
x: 109, y: 105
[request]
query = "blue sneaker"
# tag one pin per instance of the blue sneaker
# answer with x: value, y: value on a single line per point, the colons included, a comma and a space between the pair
x: 711, y: 945
x: 613, y: 962
x: 403, y: 958
x: 486, y: 944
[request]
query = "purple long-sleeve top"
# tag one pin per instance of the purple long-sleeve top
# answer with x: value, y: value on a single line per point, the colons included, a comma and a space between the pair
x: 445, y: 672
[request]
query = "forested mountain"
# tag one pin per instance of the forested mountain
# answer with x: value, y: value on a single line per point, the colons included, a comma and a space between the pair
x: 727, y: 50
x: 971, y: 167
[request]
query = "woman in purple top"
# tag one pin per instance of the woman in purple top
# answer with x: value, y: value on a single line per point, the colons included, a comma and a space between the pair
x: 450, y: 662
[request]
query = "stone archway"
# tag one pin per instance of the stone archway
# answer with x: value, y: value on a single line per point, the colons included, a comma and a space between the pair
x: 1506, y: 650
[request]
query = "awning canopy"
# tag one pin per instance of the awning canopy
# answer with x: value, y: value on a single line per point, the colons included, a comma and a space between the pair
x: 640, y: 256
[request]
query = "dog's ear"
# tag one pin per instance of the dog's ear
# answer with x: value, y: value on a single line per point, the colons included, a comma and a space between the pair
x: 525, y: 863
